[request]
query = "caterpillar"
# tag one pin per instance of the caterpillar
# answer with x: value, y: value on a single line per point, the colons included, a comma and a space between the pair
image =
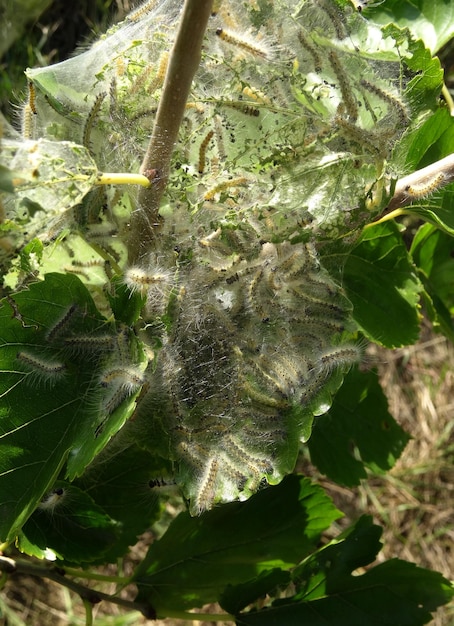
x: 158, y: 80
x: 52, y: 500
x: 56, y: 330
x: 32, y: 97
x: 128, y: 378
x: 346, y: 90
x: 392, y: 100
x: 41, y: 370
x: 91, y: 119
x: 342, y: 356
x: 304, y: 41
x: 138, y: 13
x: 256, y: 94
x: 27, y: 122
x: 256, y: 465
x: 224, y: 185
x: 90, y: 343
x: 243, y: 107
x: 202, y: 151
x: 417, y: 192
x: 249, y: 45
x: 140, y: 280
x: 364, y: 138
x: 205, y: 492
x: 335, y: 16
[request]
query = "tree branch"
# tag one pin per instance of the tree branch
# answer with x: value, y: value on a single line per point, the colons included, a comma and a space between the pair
x: 184, y: 62
x: 58, y: 575
x: 422, y: 182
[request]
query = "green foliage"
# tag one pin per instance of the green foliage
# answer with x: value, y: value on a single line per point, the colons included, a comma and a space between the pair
x: 208, y: 362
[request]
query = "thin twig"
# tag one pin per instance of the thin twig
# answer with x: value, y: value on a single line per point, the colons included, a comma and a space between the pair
x: 58, y: 575
x: 184, y: 62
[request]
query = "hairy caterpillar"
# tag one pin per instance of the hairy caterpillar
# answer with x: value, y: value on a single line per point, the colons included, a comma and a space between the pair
x: 346, y: 90
x: 244, y: 43
x: 56, y: 330
x: 32, y: 97
x: 224, y: 185
x: 243, y: 107
x: 41, y: 370
x: 91, y: 119
x: 366, y: 139
x: 342, y: 356
x: 27, y: 122
x: 335, y: 16
x: 392, y: 100
x: 206, y: 490
x: 202, y: 151
x: 417, y: 192
x: 256, y: 94
x: 140, y: 280
x: 235, y: 450
x: 128, y: 378
x: 90, y: 343
x: 52, y: 500
x: 138, y: 13
x: 304, y: 41
x: 158, y: 80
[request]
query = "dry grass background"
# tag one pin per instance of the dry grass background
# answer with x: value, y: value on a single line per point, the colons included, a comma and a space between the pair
x: 414, y: 503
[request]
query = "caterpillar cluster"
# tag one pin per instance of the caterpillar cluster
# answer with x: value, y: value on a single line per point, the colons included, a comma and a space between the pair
x: 256, y: 330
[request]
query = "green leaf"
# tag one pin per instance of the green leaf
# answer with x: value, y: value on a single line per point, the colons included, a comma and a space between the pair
x: 71, y: 524
x: 54, y: 347
x: 234, y: 598
x: 430, y: 142
x: 432, y: 253
x: 431, y: 21
x: 326, y: 571
x: 381, y: 282
x: 357, y: 433
x: 121, y: 480
x: 197, y: 558
x: 395, y: 592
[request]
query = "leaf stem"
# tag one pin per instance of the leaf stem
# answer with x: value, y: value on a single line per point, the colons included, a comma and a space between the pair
x: 109, y: 178
x: 184, y: 61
